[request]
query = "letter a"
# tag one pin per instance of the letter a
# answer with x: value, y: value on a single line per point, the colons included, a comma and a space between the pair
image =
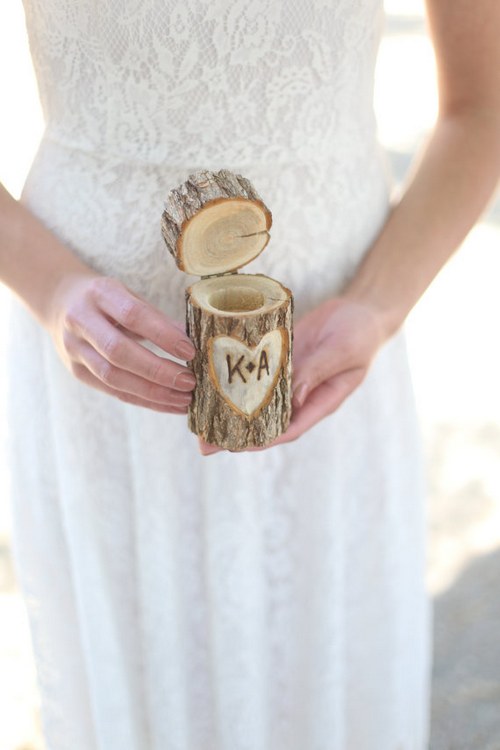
x: 263, y: 363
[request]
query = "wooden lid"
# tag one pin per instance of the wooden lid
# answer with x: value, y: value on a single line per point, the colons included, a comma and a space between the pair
x: 215, y: 223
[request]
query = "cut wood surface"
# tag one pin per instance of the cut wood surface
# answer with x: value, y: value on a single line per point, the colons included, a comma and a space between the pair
x: 215, y: 222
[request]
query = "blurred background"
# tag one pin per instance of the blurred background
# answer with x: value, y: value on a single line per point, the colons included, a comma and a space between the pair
x: 453, y: 344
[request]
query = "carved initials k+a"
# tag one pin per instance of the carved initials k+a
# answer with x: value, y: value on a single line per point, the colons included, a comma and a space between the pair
x: 233, y: 370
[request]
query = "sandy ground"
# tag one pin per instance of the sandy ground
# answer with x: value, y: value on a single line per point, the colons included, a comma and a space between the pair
x: 453, y: 351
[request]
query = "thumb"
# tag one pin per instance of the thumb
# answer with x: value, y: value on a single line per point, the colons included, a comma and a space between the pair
x: 313, y: 370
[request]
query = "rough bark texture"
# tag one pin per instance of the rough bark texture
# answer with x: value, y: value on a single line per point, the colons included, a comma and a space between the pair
x: 211, y: 414
x: 240, y: 324
x: 200, y: 190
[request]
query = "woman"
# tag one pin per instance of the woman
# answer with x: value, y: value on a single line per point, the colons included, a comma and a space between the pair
x: 271, y: 598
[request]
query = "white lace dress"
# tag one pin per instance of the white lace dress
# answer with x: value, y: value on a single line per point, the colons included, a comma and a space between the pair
x: 268, y: 600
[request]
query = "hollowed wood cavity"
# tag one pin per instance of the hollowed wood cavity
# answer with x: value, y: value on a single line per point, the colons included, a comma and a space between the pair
x: 237, y: 299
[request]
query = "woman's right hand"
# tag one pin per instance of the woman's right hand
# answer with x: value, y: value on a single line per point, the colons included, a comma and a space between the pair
x: 96, y: 323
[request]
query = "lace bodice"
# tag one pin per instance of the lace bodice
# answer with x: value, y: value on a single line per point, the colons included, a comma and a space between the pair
x: 205, y: 80
x: 137, y: 94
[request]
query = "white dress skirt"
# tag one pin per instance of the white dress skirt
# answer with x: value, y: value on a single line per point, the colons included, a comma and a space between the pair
x: 269, y: 600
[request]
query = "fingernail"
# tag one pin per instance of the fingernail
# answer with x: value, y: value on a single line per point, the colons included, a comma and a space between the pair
x: 185, y: 380
x: 185, y: 350
x: 300, y: 393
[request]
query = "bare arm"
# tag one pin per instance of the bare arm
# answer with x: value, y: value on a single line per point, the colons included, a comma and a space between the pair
x: 448, y: 188
x: 33, y: 262
x: 95, y: 321
x: 455, y: 176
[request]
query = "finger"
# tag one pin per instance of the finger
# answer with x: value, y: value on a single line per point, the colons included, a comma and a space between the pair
x: 85, y: 376
x: 321, y: 402
x: 206, y: 449
x: 306, y: 328
x: 133, y: 336
x: 142, y: 318
x: 127, y: 382
x: 303, y: 344
x: 118, y: 349
x: 322, y: 364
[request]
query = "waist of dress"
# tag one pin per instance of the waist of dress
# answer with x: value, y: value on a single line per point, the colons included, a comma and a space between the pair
x: 203, y: 157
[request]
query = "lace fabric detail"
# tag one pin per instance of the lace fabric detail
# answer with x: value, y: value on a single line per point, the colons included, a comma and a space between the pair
x: 235, y: 602
x: 177, y: 83
x: 138, y: 94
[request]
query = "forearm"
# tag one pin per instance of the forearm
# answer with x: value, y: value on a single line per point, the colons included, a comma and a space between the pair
x: 445, y: 195
x: 33, y: 262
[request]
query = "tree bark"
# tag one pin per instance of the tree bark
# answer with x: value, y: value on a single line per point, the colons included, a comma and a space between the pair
x: 243, y: 361
x: 240, y: 324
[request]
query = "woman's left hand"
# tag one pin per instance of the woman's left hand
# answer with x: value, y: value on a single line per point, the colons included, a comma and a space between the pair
x: 333, y: 347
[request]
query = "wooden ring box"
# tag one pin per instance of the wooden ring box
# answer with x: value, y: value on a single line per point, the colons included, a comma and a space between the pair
x: 240, y: 324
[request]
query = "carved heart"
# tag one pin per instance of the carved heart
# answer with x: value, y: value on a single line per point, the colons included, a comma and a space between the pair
x: 245, y: 376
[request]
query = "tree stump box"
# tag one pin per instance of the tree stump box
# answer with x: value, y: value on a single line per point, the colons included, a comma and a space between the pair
x: 240, y: 324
